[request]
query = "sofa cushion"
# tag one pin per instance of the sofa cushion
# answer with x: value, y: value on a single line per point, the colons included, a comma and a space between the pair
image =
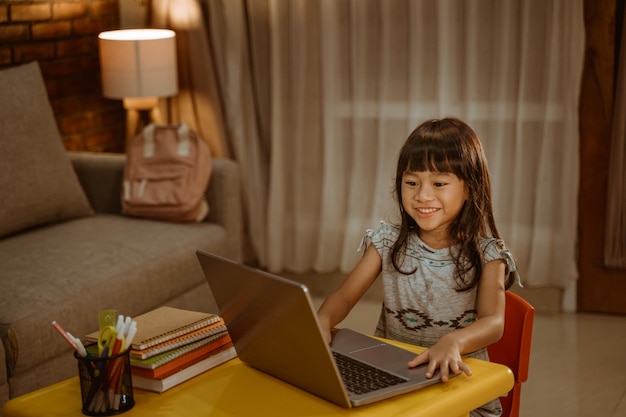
x: 69, y: 272
x: 38, y: 182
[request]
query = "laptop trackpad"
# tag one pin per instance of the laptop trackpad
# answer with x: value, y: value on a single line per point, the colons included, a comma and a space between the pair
x: 375, y: 352
x: 383, y: 355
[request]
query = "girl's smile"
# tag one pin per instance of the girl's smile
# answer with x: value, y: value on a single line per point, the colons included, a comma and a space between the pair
x: 426, y: 212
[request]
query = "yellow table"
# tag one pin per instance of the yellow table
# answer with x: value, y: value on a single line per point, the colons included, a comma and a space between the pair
x: 235, y: 389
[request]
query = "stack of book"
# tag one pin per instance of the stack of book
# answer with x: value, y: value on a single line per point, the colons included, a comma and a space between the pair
x: 174, y: 345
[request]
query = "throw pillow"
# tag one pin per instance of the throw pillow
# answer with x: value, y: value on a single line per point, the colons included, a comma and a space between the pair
x: 37, y: 181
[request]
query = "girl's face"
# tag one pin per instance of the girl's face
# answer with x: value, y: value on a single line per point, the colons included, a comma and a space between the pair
x: 433, y: 200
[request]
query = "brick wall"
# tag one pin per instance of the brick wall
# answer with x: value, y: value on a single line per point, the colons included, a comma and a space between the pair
x: 62, y: 36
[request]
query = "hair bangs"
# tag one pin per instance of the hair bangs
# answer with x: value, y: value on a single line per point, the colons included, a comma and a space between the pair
x: 435, y: 155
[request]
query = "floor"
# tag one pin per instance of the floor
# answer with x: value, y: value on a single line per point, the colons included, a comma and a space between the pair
x: 575, y: 366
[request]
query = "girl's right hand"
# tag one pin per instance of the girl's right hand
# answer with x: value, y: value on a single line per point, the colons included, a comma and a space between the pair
x: 443, y: 356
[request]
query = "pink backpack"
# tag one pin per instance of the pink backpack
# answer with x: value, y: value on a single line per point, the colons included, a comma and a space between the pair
x: 167, y: 171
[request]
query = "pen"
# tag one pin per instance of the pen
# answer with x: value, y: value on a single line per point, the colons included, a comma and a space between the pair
x: 105, y: 352
x: 63, y: 333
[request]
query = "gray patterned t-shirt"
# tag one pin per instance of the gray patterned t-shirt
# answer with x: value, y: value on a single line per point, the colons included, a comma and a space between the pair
x: 422, y: 307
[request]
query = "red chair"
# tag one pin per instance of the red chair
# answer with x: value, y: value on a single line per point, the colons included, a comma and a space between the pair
x: 513, y: 349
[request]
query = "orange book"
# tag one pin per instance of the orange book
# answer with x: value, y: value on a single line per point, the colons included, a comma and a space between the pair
x: 171, y: 380
x: 183, y: 360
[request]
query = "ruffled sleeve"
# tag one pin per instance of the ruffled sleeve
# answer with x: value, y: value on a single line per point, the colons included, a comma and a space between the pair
x: 495, y: 249
x: 365, y: 241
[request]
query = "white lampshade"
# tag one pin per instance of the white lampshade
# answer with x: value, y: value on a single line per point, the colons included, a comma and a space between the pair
x: 138, y: 63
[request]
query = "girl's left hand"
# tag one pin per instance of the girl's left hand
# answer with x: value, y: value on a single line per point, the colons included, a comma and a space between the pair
x: 445, y: 356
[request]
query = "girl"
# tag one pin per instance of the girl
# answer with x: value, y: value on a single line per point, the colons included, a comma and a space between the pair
x: 444, y: 267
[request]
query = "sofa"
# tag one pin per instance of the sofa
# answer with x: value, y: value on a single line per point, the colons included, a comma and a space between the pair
x: 67, y: 251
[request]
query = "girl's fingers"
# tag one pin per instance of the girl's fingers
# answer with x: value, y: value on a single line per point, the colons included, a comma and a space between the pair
x: 466, y: 369
x: 419, y: 359
x: 446, y: 368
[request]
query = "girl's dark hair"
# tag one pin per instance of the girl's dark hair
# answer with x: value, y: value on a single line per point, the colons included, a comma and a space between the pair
x: 450, y: 145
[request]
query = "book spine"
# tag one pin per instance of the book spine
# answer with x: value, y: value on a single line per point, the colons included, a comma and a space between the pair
x: 163, y: 384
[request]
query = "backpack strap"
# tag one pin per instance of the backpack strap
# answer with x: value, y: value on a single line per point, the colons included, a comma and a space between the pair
x: 148, y: 141
x: 183, y: 140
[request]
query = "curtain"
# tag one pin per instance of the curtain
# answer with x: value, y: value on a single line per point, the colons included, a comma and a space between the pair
x: 615, y: 233
x: 318, y: 96
x: 198, y: 100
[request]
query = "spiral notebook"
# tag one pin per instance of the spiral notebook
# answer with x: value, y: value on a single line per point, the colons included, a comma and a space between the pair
x: 198, y: 347
x: 163, y: 324
x: 183, y: 340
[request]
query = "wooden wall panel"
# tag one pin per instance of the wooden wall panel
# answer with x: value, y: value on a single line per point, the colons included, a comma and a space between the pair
x: 599, y: 289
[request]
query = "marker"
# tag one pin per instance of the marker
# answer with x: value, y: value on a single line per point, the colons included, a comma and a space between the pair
x: 120, y: 324
x: 80, y: 348
x: 118, y: 344
x: 126, y: 327
x: 131, y: 335
x: 63, y: 333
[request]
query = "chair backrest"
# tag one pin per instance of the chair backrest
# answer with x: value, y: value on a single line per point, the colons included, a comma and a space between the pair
x: 513, y: 349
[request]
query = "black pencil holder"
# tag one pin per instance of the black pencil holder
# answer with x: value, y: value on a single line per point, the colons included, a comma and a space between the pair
x: 106, y: 384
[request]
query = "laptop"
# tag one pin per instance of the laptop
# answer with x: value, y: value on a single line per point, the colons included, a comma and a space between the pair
x: 274, y: 328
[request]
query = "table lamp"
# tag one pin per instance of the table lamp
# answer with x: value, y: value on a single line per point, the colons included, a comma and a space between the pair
x: 138, y: 66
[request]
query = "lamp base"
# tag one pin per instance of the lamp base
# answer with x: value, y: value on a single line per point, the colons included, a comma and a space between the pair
x: 138, y: 108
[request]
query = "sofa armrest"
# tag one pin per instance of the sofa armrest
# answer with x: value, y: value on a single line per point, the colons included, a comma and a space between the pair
x: 224, y: 198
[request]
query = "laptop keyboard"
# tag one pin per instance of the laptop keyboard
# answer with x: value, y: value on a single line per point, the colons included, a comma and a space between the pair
x: 361, y: 378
